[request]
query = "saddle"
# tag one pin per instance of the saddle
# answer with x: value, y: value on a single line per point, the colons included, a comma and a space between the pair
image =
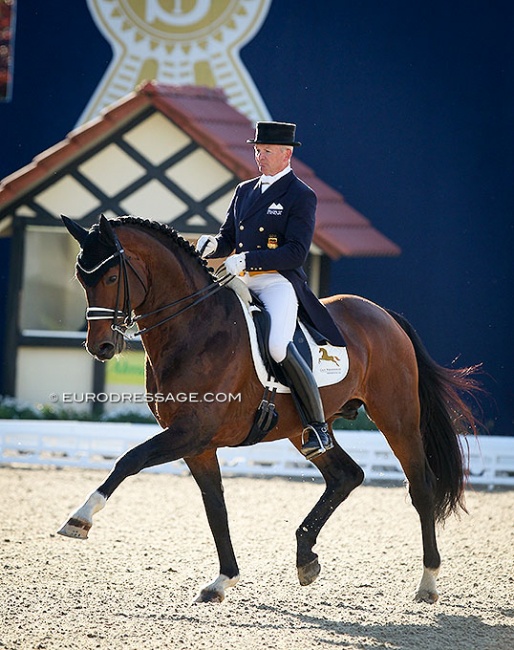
x: 262, y: 321
x: 330, y: 366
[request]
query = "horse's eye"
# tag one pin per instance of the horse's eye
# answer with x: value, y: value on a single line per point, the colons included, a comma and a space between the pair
x: 111, y: 279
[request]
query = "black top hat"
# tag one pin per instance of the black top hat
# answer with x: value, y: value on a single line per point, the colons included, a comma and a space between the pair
x: 275, y: 133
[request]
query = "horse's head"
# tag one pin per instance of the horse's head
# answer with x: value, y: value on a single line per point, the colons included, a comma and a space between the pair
x: 114, y: 282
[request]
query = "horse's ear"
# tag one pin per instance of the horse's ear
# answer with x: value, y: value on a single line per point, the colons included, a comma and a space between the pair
x: 106, y: 231
x: 76, y: 230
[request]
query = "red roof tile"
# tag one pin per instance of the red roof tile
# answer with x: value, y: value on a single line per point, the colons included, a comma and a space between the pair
x: 205, y: 115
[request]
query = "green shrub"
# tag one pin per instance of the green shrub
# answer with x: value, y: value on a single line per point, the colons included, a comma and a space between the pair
x: 14, y: 409
x: 361, y: 423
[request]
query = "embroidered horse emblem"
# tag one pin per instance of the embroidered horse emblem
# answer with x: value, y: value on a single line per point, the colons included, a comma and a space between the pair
x: 325, y: 356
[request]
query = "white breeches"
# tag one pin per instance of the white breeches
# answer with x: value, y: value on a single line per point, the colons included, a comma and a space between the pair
x: 281, y: 303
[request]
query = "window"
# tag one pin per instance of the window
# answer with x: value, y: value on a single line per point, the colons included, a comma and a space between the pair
x: 52, y: 300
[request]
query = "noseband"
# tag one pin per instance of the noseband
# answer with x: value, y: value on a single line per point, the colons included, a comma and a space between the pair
x: 126, y: 314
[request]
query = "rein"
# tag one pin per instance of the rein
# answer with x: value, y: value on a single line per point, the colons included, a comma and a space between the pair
x: 199, y: 297
x: 126, y: 313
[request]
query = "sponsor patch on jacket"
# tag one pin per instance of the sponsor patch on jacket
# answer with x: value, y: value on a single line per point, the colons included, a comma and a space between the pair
x: 275, y: 209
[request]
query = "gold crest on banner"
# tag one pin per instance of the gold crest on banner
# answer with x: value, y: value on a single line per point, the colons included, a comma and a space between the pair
x: 178, y: 42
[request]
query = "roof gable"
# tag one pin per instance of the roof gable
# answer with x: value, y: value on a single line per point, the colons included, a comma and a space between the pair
x: 188, y: 136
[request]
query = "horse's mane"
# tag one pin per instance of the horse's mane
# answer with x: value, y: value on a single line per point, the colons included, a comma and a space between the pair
x: 175, y: 240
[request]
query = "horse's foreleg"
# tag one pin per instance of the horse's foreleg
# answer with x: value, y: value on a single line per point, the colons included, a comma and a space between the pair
x: 342, y: 475
x: 205, y: 469
x: 162, y: 448
x: 79, y: 522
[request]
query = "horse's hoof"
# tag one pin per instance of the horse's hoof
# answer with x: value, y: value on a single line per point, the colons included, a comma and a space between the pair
x: 309, y: 572
x: 209, y: 596
x: 215, y: 592
x: 75, y: 528
x: 427, y: 588
x: 426, y: 596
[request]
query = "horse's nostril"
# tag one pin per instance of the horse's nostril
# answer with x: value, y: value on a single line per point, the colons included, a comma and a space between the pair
x: 103, y: 351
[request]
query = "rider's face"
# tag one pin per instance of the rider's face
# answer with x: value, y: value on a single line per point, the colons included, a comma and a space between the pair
x: 271, y: 158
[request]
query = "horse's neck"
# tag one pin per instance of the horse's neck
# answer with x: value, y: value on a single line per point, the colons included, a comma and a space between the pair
x: 174, y: 276
x: 189, y: 351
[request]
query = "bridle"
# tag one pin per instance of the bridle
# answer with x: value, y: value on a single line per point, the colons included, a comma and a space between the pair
x: 125, y: 314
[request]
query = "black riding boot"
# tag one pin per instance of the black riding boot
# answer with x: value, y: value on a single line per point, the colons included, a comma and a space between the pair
x: 315, y: 438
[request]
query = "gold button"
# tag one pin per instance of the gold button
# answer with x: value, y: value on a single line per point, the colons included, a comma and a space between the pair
x: 259, y: 246
x: 240, y: 244
x: 241, y: 227
x: 261, y: 229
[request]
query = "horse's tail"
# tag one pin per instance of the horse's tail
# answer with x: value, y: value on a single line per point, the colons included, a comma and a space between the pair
x: 444, y: 415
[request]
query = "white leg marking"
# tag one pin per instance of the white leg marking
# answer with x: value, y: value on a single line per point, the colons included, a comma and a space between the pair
x: 80, y: 521
x: 93, y: 504
x: 427, y: 589
x: 215, y: 592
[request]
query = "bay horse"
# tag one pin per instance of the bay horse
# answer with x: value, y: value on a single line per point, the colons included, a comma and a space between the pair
x: 195, y: 339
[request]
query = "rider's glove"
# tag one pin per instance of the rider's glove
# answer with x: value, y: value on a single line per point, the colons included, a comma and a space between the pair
x: 206, y: 245
x: 236, y: 264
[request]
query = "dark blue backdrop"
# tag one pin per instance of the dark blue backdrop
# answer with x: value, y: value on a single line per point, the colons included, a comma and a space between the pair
x: 407, y: 110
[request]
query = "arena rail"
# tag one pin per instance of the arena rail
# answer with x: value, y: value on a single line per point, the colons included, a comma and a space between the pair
x: 96, y: 445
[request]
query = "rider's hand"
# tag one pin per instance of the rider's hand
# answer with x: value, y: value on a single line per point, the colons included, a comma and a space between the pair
x: 236, y: 264
x: 206, y: 245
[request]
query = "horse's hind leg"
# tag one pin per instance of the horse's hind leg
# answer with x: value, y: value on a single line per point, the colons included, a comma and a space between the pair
x: 342, y: 475
x: 407, y: 445
x: 420, y: 480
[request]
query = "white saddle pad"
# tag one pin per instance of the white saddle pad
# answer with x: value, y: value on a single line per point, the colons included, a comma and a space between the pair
x: 330, y: 363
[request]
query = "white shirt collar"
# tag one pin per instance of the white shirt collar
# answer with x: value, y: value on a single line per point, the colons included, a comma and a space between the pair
x: 266, y: 181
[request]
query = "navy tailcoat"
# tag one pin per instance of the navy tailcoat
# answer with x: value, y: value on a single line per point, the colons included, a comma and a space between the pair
x: 275, y: 230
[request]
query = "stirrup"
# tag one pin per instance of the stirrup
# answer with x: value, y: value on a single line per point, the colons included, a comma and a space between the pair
x: 312, y: 451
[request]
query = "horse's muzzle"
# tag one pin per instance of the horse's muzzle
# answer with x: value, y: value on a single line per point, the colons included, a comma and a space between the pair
x: 105, y: 349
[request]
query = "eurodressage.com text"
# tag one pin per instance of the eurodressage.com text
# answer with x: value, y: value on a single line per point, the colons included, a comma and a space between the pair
x: 144, y: 398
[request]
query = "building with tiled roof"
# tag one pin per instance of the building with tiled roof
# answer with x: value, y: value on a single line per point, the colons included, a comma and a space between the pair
x: 160, y: 139
x: 173, y: 154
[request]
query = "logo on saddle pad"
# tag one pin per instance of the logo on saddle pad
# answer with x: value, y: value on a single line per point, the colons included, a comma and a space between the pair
x: 275, y: 209
x: 325, y: 356
x: 332, y: 361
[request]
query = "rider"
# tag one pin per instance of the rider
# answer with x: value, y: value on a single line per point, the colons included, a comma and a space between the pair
x: 270, y: 224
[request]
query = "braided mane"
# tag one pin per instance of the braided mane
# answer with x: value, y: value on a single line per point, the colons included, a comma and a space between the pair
x: 170, y: 233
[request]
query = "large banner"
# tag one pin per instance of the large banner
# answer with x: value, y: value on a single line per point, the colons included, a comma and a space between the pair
x: 178, y: 42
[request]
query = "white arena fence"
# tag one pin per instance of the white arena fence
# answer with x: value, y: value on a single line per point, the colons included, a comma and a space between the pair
x: 94, y: 445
